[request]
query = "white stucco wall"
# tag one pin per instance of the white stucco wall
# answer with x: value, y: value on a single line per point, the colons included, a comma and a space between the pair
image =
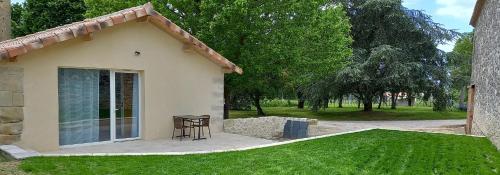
x: 174, y: 82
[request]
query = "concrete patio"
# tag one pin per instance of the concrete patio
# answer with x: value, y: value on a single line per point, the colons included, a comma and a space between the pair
x: 219, y: 141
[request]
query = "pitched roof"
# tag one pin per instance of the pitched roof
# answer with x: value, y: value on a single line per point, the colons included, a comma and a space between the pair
x: 10, y: 49
x: 478, y: 8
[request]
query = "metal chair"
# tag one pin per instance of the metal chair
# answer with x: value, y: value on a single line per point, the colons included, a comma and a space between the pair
x: 205, y: 122
x: 179, y: 124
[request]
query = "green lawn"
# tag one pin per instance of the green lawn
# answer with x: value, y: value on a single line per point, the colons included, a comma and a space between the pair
x: 369, y: 152
x: 353, y: 113
x: 3, y: 158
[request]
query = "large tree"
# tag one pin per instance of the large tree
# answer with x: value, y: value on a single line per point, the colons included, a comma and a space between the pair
x: 275, y: 42
x: 37, y: 15
x: 386, y: 29
x: 461, y: 67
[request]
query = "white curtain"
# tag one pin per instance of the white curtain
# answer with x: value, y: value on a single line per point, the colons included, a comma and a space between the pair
x: 78, y: 106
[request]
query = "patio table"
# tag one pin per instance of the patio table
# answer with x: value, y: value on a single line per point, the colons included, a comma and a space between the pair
x: 195, y: 119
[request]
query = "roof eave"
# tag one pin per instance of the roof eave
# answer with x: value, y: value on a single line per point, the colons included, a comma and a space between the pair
x: 12, y: 48
x: 478, y: 8
x: 237, y: 69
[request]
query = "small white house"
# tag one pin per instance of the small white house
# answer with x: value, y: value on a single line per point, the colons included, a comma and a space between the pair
x: 116, y: 77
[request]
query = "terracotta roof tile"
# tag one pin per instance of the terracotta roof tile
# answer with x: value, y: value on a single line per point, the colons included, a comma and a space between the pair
x: 16, y: 50
x: 118, y: 18
x: 64, y: 34
x: 140, y: 12
x: 92, y: 26
x: 48, y: 40
x: 130, y: 15
x: 11, y: 48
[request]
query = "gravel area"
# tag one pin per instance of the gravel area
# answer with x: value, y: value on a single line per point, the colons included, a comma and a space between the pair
x: 443, y: 126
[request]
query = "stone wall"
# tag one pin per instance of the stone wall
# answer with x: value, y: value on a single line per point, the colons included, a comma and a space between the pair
x: 486, y: 73
x: 265, y: 127
x: 11, y: 104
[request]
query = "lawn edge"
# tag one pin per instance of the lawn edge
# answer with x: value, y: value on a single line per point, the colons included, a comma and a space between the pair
x: 429, y: 132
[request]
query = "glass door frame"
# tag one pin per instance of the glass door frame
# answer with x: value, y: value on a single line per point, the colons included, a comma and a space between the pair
x: 112, y: 112
x: 112, y: 81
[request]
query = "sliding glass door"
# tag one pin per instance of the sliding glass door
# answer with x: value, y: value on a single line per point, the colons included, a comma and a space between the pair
x: 126, y: 105
x: 97, y: 106
x: 79, y: 107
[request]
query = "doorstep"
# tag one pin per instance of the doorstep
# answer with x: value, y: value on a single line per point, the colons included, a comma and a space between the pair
x: 17, y: 153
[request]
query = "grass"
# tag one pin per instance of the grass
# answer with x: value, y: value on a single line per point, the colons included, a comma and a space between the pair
x: 353, y: 113
x: 3, y: 158
x: 369, y: 152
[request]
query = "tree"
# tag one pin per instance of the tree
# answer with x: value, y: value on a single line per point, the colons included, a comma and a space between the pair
x: 385, y: 27
x: 324, y: 52
x: 17, y: 21
x: 38, y: 15
x: 384, y: 69
x: 441, y: 82
x: 273, y: 41
x: 306, y: 43
x: 461, y: 67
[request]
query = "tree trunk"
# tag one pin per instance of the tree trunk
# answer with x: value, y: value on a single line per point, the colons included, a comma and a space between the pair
x: 359, y: 103
x: 301, y: 103
x: 367, y: 105
x: 227, y: 92
x: 326, y: 101
x: 341, y: 98
x: 461, y: 103
x: 301, y: 99
x: 227, y: 102
x: 410, y: 99
x: 256, y: 101
x: 5, y: 12
x: 394, y: 100
x: 380, y: 100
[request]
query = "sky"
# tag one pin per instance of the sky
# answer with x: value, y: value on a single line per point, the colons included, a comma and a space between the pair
x: 453, y: 14
x: 16, y: 1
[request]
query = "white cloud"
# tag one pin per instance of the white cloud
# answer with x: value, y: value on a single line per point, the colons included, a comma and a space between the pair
x: 448, y: 47
x: 455, y: 8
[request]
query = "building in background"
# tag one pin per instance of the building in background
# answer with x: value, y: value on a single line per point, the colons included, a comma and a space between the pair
x: 484, y: 106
